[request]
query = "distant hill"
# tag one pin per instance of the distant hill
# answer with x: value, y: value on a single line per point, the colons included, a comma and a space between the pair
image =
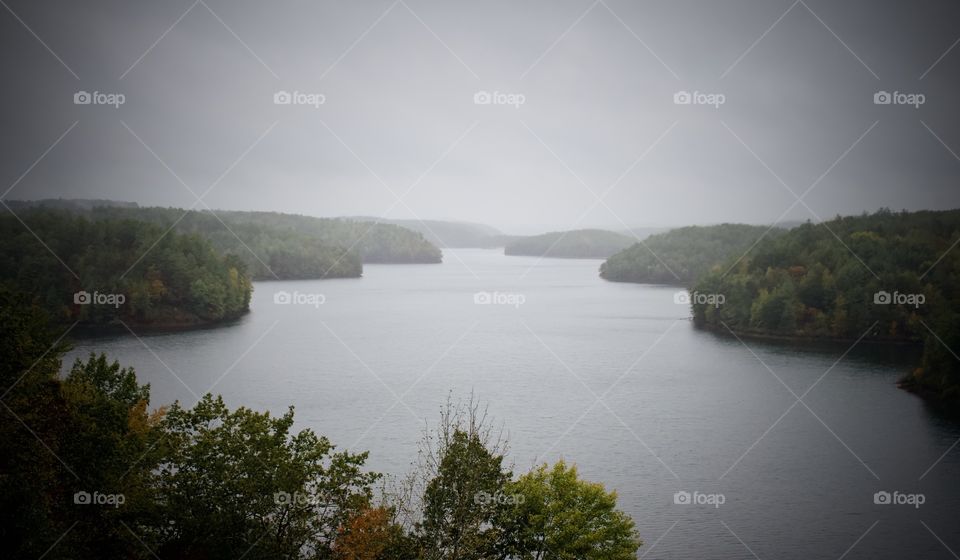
x: 643, y: 232
x: 447, y: 234
x: 70, y: 203
x: 682, y: 255
x: 577, y: 244
x: 274, y: 245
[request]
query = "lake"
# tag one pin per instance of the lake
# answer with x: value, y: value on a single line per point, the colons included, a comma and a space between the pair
x: 613, y: 377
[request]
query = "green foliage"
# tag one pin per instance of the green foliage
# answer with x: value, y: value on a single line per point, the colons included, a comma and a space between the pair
x: 204, y: 482
x: 239, y: 483
x: 558, y: 516
x: 465, y: 504
x: 271, y: 245
x: 578, y: 244
x: 681, y: 256
x: 88, y: 433
x: 289, y: 246
x: 164, y: 278
x: 460, y: 501
x: 34, y: 486
x: 817, y: 281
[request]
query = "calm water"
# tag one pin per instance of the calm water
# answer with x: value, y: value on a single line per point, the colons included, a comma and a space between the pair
x: 680, y: 409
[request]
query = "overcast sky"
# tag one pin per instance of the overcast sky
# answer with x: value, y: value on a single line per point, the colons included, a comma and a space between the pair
x: 585, y: 131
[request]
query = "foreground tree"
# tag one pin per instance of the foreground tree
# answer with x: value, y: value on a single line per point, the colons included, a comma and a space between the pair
x: 460, y: 472
x: 74, y: 449
x: 240, y: 484
x: 461, y: 502
x: 558, y: 516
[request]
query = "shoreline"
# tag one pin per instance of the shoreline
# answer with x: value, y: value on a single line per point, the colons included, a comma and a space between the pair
x: 90, y: 332
x: 806, y: 339
x: 905, y: 382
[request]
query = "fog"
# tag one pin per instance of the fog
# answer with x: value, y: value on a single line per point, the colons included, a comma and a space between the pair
x: 527, y: 116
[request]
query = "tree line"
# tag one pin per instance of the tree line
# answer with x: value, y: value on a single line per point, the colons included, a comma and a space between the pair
x: 272, y: 245
x: 90, y: 471
x: 100, y: 272
x: 887, y: 276
x: 682, y: 255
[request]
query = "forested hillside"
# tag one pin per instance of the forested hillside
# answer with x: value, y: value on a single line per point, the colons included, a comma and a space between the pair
x: 682, y: 255
x: 119, y: 270
x: 886, y: 276
x: 300, y: 246
x: 274, y: 245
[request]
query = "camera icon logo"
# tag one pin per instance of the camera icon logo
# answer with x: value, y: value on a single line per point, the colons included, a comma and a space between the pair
x: 681, y: 298
x: 282, y: 498
x: 82, y: 98
x: 881, y: 498
x: 82, y: 498
x: 882, y: 98
x: 282, y: 98
x: 882, y: 298
x: 682, y: 98
x: 482, y: 98
x: 82, y: 298
x: 682, y: 498
x: 282, y: 298
x: 482, y: 298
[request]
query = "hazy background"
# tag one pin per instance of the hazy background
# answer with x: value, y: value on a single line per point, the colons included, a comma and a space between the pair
x: 399, y: 117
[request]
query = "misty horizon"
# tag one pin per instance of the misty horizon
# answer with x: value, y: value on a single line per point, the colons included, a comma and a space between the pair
x: 516, y: 229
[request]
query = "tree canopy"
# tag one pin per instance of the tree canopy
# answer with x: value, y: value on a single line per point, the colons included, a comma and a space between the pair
x: 887, y: 276
x: 682, y: 255
x: 119, y: 270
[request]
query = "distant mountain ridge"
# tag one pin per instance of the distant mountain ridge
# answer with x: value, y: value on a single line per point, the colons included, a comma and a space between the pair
x: 446, y: 233
x: 576, y: 244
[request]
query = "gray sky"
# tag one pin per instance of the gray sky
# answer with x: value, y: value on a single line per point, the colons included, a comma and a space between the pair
x: 398, y: 80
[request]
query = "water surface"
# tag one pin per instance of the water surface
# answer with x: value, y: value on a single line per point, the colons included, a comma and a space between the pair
x: 613, y: 377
